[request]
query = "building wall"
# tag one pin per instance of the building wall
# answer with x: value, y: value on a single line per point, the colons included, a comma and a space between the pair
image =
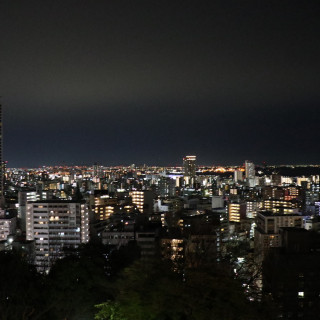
x: 266, y: 233
x: 53, y: 226
x: 7, y: 227
x: 237, y: 211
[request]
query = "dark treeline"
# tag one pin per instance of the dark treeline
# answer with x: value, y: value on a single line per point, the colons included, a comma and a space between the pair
x: 96, y: 283
x: 290, y: 171
x: 71, y: 290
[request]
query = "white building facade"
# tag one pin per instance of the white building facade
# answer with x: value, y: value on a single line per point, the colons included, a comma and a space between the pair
x: 53, y: 226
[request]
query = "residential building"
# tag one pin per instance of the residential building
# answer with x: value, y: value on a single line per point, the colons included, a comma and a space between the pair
x: 56, y: 225
x: 236, y: 211
x: 267, y: 230
x: 143, y: 200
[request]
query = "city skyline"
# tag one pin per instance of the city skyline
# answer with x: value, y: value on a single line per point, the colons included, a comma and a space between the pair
x: 150, y: 82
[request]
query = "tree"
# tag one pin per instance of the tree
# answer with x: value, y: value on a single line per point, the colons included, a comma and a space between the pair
x: 109, y: 310
x: 20, y: 288
x: 154, y: 292
x: 78, y: 282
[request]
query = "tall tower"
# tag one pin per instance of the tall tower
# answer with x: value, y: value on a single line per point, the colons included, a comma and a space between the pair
x: 189, y: 164
x: 249, y: 169
x: 1, y: 162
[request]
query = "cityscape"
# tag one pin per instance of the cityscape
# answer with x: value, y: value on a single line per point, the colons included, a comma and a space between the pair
x: 257, y: 227
x: 159, y: 160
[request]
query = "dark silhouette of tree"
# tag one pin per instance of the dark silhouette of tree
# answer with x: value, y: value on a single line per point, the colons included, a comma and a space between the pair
x: 125, y: 256
x: 21, y: 288
x: 78, y: 282
x: 153, y: 292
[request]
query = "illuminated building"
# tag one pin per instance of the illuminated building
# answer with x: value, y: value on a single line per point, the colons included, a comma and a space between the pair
x: 236, y: 211
x: 286, y: 180
x: 281, y: 205
x: 249, y: 170
x: 189, y: 164
x: 251, y: 208
x: 55, y: 225
x: 104, y: 207
x: 143, y: 200
x: 167, y: 187
x: 173, y: 249
x: 291, y: 193
x: 268, y: 227
x: 238, y: 176
x: 1, y: 164
x: 97, y: 171
x: 282, y: 193
x: 300, y: 181
x: 7, y: 225
x: 23, y: 198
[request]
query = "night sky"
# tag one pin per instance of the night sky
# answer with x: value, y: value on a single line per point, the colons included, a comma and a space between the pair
x: 121, y: 82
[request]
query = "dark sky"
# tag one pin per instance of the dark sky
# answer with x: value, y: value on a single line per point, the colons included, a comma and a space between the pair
x: 121, y: 82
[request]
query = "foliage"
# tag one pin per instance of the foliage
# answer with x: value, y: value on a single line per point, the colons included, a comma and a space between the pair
x: 153, y: 292
x: 78, y: 282
x: 141, y: 291
x: 237, y: 248
x: 109, y: 310
x: 75, y: 284
x: 20, y: 289
x: 119, y: 259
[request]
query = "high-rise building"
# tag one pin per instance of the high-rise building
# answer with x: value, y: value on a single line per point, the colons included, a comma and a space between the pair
x: 24, y: 197
x: 1, y: 162
x: 238, y: 176
x: 249, y: 169
x: 55, y: 225
x: 189, y: 164
x: 167, y: 187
